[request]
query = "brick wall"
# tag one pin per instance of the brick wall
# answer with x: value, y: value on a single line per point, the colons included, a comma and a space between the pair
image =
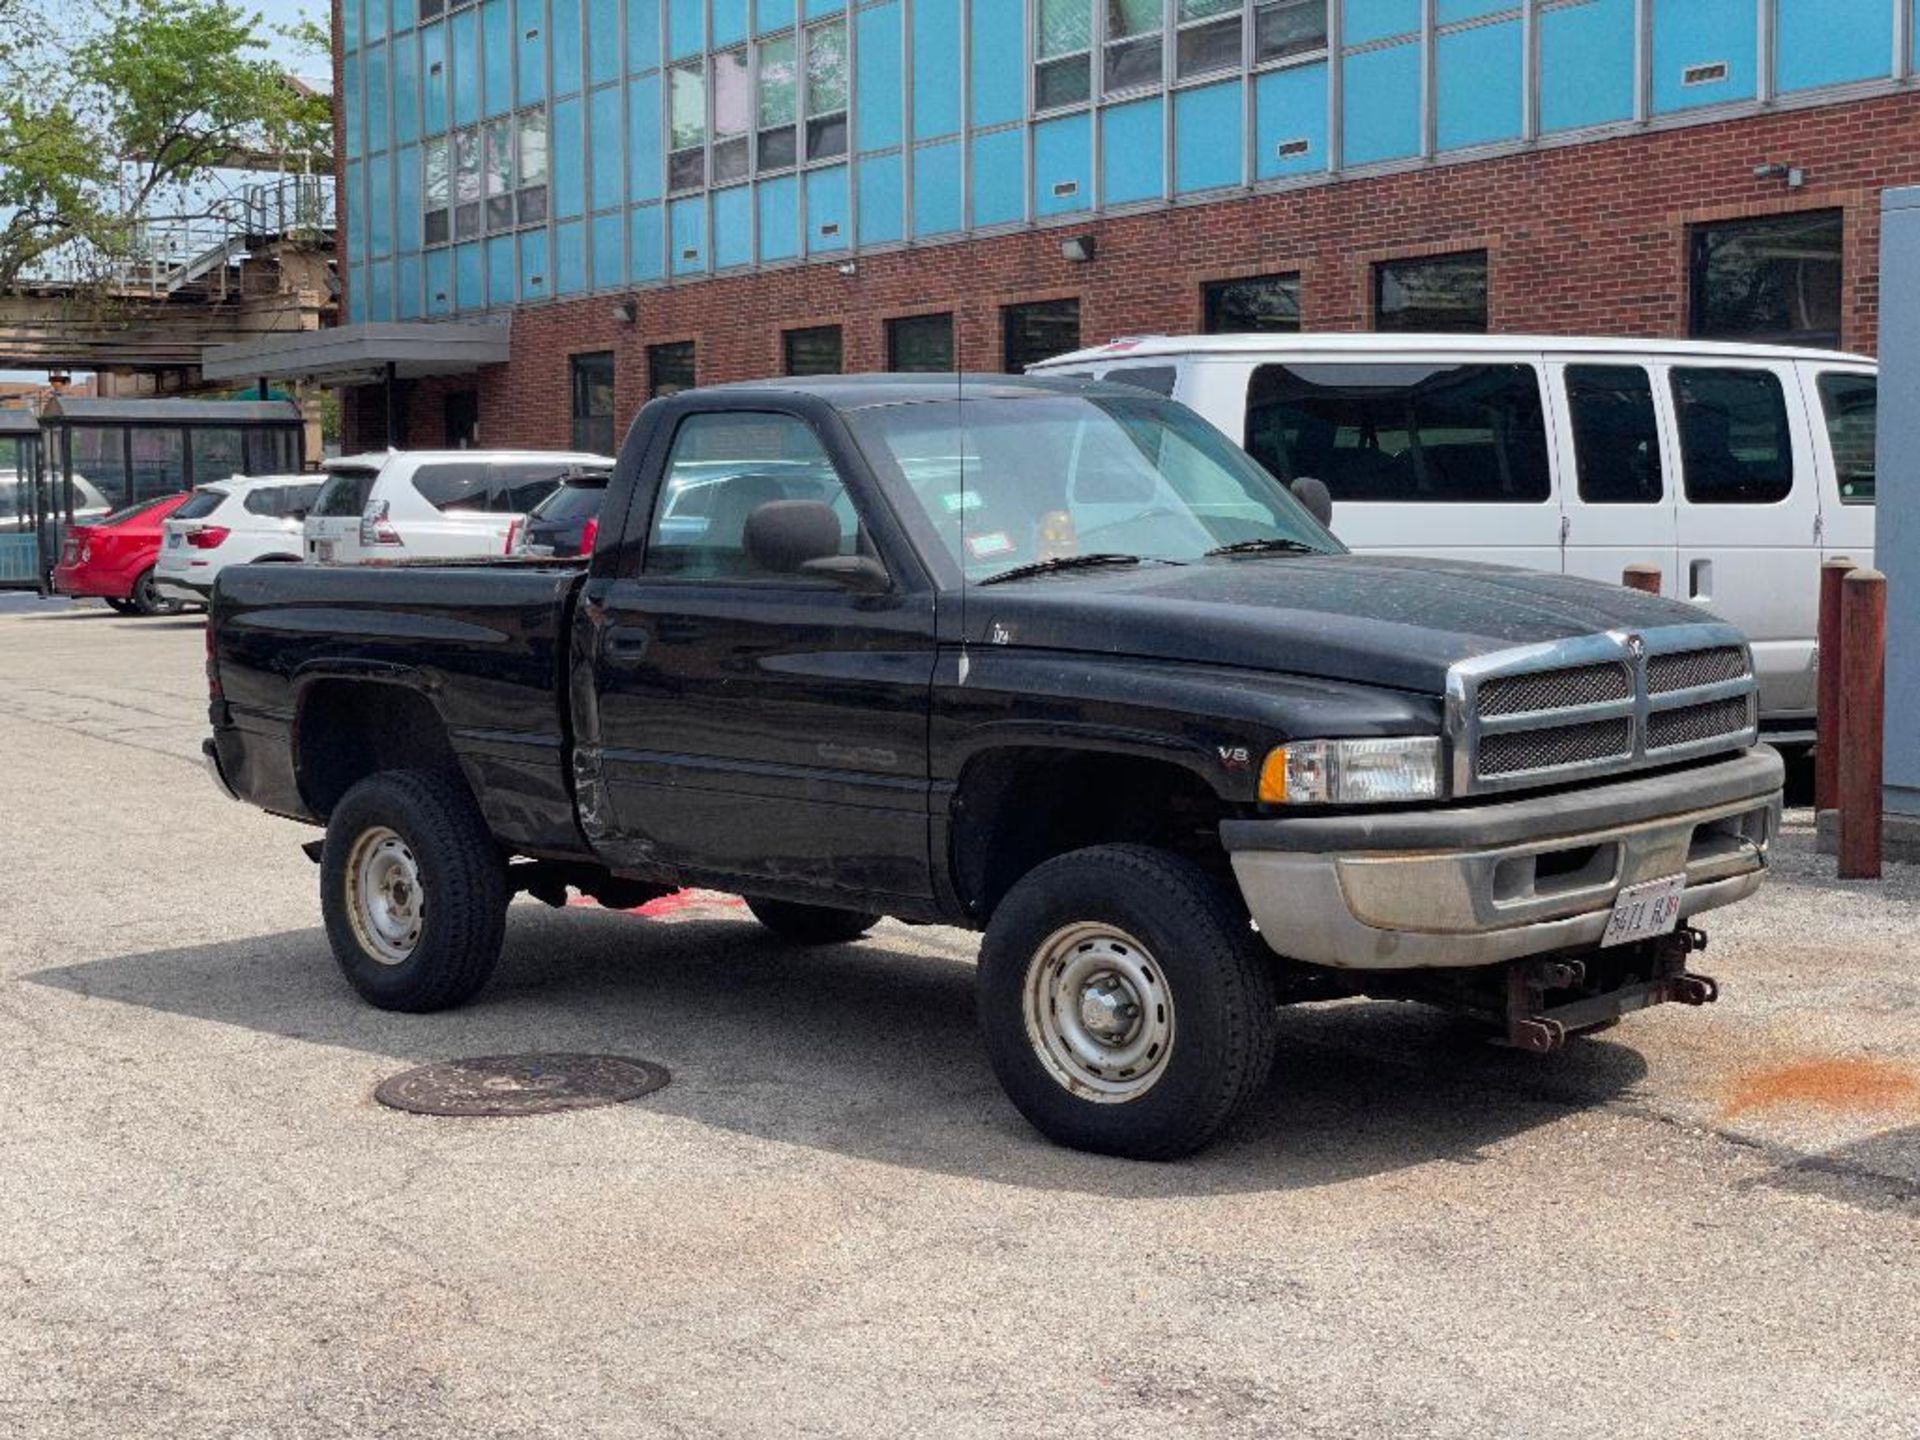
x: 1582, y: 239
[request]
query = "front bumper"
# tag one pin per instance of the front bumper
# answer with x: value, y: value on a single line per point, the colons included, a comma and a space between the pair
x: 1483, y: 884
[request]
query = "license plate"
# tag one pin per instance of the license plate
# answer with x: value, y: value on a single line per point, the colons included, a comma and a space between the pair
x: 173, y: 542
x: 1641, y: 912
x: 323, y: 551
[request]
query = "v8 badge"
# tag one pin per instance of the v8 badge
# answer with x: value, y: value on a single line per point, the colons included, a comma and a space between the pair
x: 1234, y: 757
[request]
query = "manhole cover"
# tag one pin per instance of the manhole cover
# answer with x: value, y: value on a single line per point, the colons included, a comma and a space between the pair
x: 520, y: 1084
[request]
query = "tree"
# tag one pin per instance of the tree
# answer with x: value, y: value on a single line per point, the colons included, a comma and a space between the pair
x: 132, y: 118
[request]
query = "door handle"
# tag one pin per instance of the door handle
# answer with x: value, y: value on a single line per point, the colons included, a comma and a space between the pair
x: 628, y: 642
x: 1700, y: 580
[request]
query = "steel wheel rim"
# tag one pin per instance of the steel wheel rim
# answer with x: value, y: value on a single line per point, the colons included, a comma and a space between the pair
x: 1098, y: 1012
x: 385, y: 898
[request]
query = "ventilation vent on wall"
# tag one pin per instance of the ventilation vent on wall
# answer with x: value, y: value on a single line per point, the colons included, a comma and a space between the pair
x: 1063, y: 188
x: 1287, y: 149
x: 1704, y: 74
x: 832, y: 227
x: 690, y: 254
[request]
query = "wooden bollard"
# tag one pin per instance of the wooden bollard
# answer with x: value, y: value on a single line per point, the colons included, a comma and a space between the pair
x: 1863, y: 696
x: 1826, y: 717
x: 1642, y: 577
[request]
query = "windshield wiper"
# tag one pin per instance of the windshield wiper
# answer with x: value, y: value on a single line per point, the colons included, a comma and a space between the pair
x: 1270, y: 545
x: 1066, y: 562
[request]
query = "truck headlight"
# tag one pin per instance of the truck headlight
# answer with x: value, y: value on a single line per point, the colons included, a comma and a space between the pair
x: 1353, y: 772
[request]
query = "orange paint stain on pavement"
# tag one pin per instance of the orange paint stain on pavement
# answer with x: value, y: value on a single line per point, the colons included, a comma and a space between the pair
x: 1837, y: 1084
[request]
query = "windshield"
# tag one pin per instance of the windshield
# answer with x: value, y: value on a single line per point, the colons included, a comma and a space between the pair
x: 344, y: 493
x: 1008, y: 483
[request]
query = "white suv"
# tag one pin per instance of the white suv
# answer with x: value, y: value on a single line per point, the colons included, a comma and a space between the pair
x: 415, y: 504
x: 231, y: 522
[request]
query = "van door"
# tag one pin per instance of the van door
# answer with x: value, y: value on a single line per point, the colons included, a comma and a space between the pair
x: 1746, y: 517
x: 1613, y: 461
x: 1843, y: 400
x: 1443, y: 456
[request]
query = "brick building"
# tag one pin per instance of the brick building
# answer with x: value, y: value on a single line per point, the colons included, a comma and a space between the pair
x: 652, y: 192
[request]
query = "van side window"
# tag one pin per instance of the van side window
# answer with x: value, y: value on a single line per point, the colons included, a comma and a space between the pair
x: 1735, y: 442
x: 1616, y: 440
x: 1438, y: 434
x: 1851, y: 403
x: 1157, y: 378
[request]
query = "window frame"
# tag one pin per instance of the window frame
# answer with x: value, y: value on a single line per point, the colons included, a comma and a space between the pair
x: 809, y: 117
x: 1381, y: 268
x: 584, y: 369
x: 1212, y: 294
x: 1085, y: 55
x: 895, y: 323
x: 670, y: 349
x: 1010, y: 316
x: 805, y: 333
x: 1700, y: 237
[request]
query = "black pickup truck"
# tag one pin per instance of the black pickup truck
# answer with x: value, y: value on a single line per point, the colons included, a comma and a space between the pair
x: 1049, y: 660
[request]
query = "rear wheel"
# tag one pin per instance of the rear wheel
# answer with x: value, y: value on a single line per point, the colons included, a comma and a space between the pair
x: 122, y: 607
x: 414, y: 891
x: 1126, y: 1005
x: 811, y: 924
x: 147, y: 599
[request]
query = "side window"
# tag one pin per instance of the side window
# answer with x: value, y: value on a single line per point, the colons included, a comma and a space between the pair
x: 1616, y: 439
x: 1851, y: 405
x: 1156, y: 378
x: 270, y: 503
x: 1433, y: 434
x: 1736, y: 446
x: 721, y: 469
x: 519, y: 486
x: 462, y: 485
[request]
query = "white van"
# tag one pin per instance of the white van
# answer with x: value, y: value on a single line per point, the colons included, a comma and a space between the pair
x: 414, y: 504
x: 1734, y: 468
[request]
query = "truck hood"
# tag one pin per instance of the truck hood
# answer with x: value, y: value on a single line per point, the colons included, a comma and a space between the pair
x: 1371, y: 619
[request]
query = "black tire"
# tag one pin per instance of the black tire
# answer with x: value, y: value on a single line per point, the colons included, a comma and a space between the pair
x: 1198, y: 948
x: 811, y: 924
x: 147, y: 600
x: 122, y: 607
x: 461, y: 879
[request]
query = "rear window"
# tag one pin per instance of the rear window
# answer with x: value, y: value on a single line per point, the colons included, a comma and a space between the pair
x: 520, y: 485
x: 277, y: 502
x: 1852, y: 406
x: 1156, y: 378
x: 343, y: 494
x: 575, y: 500
x: 1434, y: 434
x: 1736, y: 447
x: 201, y: 504
x: 132, y: 512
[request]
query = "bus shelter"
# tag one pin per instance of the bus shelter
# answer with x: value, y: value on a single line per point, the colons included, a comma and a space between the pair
x: 21, y: 492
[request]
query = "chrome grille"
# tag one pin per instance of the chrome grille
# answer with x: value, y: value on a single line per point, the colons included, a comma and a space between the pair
x: 1691, y: 669
x: 1555, y: 689
x: 1599, y: 705
x: 1690, y: 724
x: 1514, y: 752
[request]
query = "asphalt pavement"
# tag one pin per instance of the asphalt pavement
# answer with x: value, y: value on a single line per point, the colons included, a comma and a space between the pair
x: 830, y: 1223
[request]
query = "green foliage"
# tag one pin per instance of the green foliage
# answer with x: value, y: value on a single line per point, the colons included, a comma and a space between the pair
x: 103, y: 129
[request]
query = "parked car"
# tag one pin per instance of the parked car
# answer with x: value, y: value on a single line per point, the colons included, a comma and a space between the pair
x: 1736, y: 469
x: 1054, y: 661
x: 410, y: 504
x: 114, y: 558
x: 564, y: 524
x: 232, y: 522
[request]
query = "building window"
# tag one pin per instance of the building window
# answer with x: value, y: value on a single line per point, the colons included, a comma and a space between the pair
x: 812, y: 351
x: 778, y: 105
x: 460, y: 417
x: 827, y: 90
x: 429, y: 9
x: 686, y: 127
x: 466, y: 184
x: 1063, y: 74
x: 1258, y: 304
x: 593, y: 402
x: 1437, y: 293
x: 670, y: 368
x: 499, y: 173
x: 435, y: 223
x: 1032, y: 333
x: 489, y: 178
x: 920, y: 343
x: 1773, y: 279
x: 1208, y: 37
x: 1132, y: 59
x: 1284, y: 29
x: 732, y: 115
x: 530, y: 182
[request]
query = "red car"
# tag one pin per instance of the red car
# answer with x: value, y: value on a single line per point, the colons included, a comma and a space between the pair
x: 113, y: 558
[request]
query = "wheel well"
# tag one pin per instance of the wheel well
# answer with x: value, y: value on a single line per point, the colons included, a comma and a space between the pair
x: 1018, y: 808
x: 349, y: 729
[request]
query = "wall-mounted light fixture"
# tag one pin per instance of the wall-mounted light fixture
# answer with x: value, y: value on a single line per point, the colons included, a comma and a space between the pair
x: 624, y: 312
x: 848, y: 267
x: 1078, y: 250
x: 1792, y: 174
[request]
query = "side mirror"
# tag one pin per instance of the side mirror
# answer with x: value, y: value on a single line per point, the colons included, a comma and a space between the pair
x: 857, y: 572
x: 1316, y: 497
x: 802, y: 537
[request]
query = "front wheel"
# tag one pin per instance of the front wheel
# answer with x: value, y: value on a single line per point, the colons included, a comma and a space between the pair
x: 414, y: 891
x: 1125, y: 1002
x: 811, y: 924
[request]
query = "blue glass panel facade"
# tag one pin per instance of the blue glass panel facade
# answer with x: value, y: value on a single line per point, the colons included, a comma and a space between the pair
x: 406, y: 90
x: 464, y: 38
x: 439, y: 282
x: 1062, y: 165
x: 877, y: 91
x: 1132, y: 152
x: 1586, y: 65
x: 1477, y: 75
x: 530, y: 50
x: 1290, y: 122
x: 500, y: 270
x: 643, y: 35
x: 1206, y: 138
x: 353, y: 101
x: 998, y: 85
x: 406, y: 197
x: 733, y: 227
x: 687, y: 238
x: 379, y: 131
x: 569, y: 159
x: 645, y: 244
x: 565, y: 23
x: 406, y: 288
x: 1831, y: 42
x: 496, y: 47
x: 1380, y: 110
x: 778, y: 202
x: 769, y: 15
x: 879, y: 197
x: 829, y: 224
x: 818, y: 9
x: 937, y: 204
x: 604, y: 172
x: 686, y: 28
x: 469, y: 289
x: 1365, y: 21
x: 569, y: 258
x: 609, y: 251
x: 1451, y: 12
x: 433, y: 79
x: 729, y: 22
x: 1689, y: 36
x: 999, y: 177
x: 380, y: 290
x: 936, y: 68
x: 535, y: 281
x: 644, y: 172
x: 603, y: 41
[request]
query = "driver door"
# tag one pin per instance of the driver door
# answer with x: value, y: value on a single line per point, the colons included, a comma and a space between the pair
x: 758, y: 725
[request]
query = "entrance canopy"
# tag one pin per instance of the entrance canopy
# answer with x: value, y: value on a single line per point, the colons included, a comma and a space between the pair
x: 360, y: 354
